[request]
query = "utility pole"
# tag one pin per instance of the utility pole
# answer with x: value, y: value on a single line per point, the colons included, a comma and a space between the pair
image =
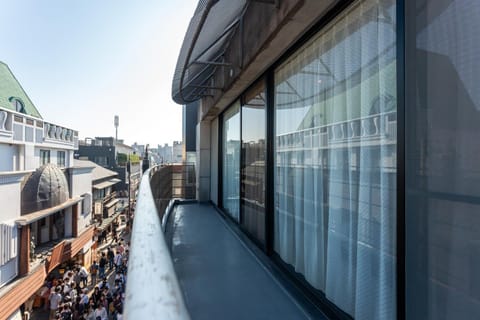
x: 116, y: 123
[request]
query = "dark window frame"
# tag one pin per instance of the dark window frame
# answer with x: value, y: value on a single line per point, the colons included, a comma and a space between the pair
x: 44, y: 157
x: 61, y: 158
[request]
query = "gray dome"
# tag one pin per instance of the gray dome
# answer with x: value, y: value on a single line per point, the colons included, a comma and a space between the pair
x: 45, y: 188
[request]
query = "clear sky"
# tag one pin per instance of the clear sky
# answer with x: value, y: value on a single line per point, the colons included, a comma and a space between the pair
x: 83, y: 61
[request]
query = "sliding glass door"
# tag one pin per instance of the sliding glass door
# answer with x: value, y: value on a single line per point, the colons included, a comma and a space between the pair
x: 253, y: 162
x: 231, y: 161
x: 335, y: 161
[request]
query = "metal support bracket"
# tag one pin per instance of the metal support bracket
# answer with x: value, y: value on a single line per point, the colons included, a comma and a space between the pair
x: 213, y: 63
x: 275, y: 2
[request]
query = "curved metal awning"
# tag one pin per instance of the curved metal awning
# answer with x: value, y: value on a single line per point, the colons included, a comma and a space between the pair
x: 208, y: 34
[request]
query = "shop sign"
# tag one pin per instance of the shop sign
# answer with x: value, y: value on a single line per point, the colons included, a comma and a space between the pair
x: 98, y: 207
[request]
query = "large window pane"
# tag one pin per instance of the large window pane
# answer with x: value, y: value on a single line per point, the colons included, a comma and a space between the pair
x: 231, y: 161
x: 335, y: 167
x: 253, y: 162
x: 443, y: 159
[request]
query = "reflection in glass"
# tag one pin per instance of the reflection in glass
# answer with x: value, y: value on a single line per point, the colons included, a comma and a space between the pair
x: 443, y: 160
x: 253, y: 162
x: 335, y: 161
x: 231, y: 161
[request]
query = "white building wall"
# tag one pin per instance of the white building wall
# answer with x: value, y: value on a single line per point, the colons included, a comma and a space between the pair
x: 69, y: 158
x: 81, y: 185
x: 9, y: 212
x: 177, y: 152
x: 9, y: 157
x: 10, y: 196
x: 85, y: 212
x: 30, y: 157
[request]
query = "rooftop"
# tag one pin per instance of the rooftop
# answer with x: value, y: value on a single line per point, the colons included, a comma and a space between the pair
x: 10, y: 88
x: 98, y: 172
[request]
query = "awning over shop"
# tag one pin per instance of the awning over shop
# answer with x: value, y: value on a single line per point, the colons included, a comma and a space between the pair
x: 108, y: 221
x: 37, y: 215
x: 122, y: 208
x: 111, y: 203
x: 105, y: 184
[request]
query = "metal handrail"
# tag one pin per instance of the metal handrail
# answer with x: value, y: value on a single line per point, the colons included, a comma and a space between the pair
x: 152, y: 291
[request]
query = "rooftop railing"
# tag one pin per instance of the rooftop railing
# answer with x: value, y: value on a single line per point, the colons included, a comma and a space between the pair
x: 152, y: 288
x: 175, y: 181
x: 19, y: 127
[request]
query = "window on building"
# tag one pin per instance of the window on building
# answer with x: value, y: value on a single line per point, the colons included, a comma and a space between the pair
x: 101, y: 160
x: 44, y: 157
x: 87, y: 204
x: 18, y: 105
x: 8, y: 243
x: 335, y: 160
x: 98, y: 194
x: 61, y: 158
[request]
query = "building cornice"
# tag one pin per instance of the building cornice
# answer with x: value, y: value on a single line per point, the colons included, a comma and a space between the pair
x: 12, y: 177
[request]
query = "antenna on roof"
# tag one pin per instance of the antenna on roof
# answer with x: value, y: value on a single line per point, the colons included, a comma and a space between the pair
x: 116, y: 122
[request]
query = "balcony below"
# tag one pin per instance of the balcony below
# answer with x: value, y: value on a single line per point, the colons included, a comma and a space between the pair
x: 223, y: 275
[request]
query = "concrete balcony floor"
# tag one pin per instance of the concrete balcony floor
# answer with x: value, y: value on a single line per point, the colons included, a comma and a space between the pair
x: 223, y: 275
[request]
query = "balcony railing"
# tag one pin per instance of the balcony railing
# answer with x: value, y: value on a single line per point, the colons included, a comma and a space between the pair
x: 19, y: 127
x: 153, y: 287
x: 172, y: 182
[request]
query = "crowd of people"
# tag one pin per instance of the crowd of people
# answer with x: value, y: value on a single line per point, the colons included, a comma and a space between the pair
x: 96, y: 294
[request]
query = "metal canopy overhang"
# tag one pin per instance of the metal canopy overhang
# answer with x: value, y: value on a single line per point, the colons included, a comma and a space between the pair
x: 208, y: 34
x: 37, y: 215
x: 111, y: 203
x: 108, y: 221
x: 103, y: 185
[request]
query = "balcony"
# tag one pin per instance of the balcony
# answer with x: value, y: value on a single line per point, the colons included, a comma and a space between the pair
x: 20, y: 128
x: 193, y: 263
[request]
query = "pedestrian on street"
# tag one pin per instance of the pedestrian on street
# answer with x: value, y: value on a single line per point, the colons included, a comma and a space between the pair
x: 118, y: 261
x: 55, y: 299
x: 110, y: 256
x: 102, y: 265
x: 83, y: 276
x: 93, y: 272
x: 101, y: 312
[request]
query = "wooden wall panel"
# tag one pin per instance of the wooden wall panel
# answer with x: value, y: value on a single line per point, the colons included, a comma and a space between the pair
x: 23, y: 290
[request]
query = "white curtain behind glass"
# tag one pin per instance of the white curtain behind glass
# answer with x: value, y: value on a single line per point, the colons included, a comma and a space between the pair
x: 335, y: 161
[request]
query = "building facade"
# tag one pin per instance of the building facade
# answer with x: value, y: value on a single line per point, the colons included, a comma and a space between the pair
x: 165, y: 153
x: 115, y: 156
x: 45, y: 219
x: 341, y: 136
x: 177, y: 152
x: 107, y: 204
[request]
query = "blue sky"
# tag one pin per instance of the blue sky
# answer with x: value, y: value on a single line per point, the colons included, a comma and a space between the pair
x: 83, y: 61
